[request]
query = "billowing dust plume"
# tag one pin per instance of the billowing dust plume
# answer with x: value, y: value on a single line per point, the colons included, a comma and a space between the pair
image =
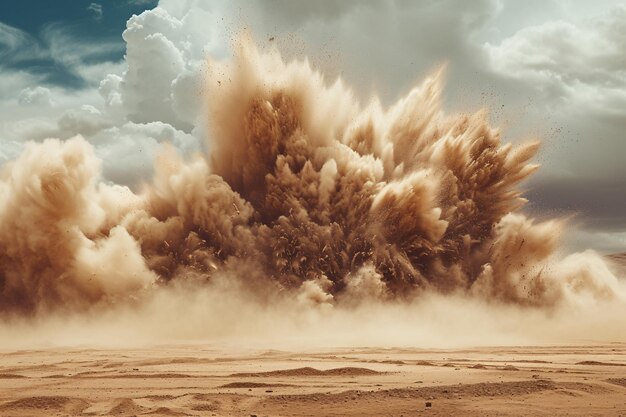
x: 305, y: 196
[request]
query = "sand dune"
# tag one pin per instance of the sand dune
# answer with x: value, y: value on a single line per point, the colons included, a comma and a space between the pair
x: 618, y: 381
x: 308, y: 371
x: 57, y: 404
x: 126, y: 406
x: 253, y: 385
x: 598, y: 363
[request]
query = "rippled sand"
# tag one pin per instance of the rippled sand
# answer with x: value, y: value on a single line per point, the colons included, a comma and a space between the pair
x: 200, y: 380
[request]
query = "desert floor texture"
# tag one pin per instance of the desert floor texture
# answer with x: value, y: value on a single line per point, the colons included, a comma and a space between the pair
x: 199, y: 380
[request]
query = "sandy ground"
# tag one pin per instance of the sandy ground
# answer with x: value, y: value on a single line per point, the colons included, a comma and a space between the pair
x: 197, y: 380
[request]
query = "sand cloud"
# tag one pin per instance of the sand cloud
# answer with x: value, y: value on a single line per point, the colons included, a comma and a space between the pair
x: 303, y: 190
x: 284, y: 199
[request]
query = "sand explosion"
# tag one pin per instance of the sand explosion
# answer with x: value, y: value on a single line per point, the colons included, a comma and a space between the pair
x: 305, y: 194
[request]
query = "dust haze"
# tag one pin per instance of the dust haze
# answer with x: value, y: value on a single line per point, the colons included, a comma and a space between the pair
x: 312, y: 220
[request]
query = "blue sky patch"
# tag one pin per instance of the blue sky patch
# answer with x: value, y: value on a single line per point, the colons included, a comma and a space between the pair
x: 48, y: 39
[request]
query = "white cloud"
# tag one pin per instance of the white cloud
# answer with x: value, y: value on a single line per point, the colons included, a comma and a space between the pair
x: 162, y: 80
x: 17, y: 45
x: 109, y: 89
x: 10, y: 150
x: 94, y: 73
x: 572, y: 63
x: 26, y: 114
x: 128, y: 151
x: 73, y: 53
x: 153, y: 59
x: 151, y: 98
x: 85, y: 120
x: 96, y: 10
x: 59, y: 45
x: 35, y: 96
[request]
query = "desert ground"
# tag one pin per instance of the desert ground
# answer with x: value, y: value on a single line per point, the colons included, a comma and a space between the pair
x: 202, y: 380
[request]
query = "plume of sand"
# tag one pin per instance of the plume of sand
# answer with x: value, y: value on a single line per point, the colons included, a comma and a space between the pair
x: 305, y: 195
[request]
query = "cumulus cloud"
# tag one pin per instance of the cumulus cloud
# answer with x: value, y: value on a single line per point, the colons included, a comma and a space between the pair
x: 163, y: 80
x: 573, y: 63
x: 153, y: 97
x: 128, y: 151
x: 153, y: 59
x: 35, y: 95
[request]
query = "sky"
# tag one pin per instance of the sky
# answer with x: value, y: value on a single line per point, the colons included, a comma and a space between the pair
x: 127, y: 75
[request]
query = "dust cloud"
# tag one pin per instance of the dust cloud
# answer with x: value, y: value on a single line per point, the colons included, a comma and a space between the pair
x: 312, y: 219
